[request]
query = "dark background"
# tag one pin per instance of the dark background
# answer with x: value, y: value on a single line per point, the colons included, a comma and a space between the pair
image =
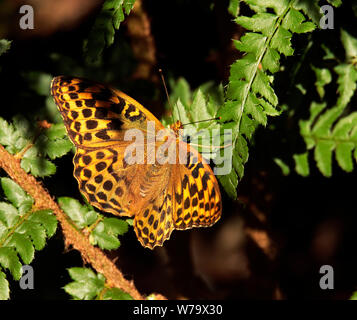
x: 272, y: 241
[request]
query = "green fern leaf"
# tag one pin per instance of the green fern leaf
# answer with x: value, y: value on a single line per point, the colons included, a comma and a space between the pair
x: 323, y: 77
x: 9, y: 260
x: 302, y: 164
x: 8, y: 214
x: 250, y: 43
x: 83, y: 216
x: 4, y: 287
x: 46, y: 219
x: 261, y: 85
x: 39, y: 167
x: 116, y: 294
x: 350, y: 45
x: 108, y: 21
x: 294, y: 22
x: 281, y: 41
x: 270, y: 60
x: 335, y: 3
x: 56, y: 131
x: 52, y: 143
x: 260, y: 22
x: 233, y: 7
x: 347, y: 78
x: 39, y: 82
x: 56, y: 148
x: 23, y: 246
x: 16, y: 195
x: 283, y: 166
x: 261, y: 5
x: 87, y: 284
x: 310, y: 7
x: 36, y: 233
x: 180, y: 90
x: 4, y: 46
x: 105, y: 234
x: 323, y: 124
x: 323, y: 157
x: 10, y: 137
x: 199, y: 110
x: 329, y: 134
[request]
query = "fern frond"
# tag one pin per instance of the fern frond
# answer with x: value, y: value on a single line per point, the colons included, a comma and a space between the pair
x: 250, y: 98
x: 33, y: 145
x: 108, y: 21
x: 87, y: 285
x: 102, y: 231
x: 329, y: 131
x: 326, y: 138
x: 22, y: 231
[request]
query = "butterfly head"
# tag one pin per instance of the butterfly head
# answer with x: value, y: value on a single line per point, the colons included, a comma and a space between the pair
x: 177, y: 126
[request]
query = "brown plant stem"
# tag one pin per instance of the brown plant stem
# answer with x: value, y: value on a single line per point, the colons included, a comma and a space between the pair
x: 142, y: 43
x: 72, y: 237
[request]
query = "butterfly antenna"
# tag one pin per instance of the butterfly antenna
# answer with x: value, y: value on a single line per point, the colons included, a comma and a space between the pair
x: 218, y: 118
x: 167, y: 93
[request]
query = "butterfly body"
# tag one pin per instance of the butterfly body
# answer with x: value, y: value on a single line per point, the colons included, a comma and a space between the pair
x: 180, y: 193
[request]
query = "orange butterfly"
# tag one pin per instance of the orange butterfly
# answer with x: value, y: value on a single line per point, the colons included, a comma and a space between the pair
x: 161, y: 197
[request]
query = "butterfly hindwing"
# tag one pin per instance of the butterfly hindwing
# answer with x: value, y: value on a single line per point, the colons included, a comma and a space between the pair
x: 197, y: 195
x: 104, y: 187
x: 154, y: 224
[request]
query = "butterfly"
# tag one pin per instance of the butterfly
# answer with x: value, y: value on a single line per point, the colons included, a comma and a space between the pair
x: 160, y: 196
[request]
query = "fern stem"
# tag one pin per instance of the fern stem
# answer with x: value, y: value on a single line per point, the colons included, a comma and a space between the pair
x: 20, y: 154
x: 89, y: 229
x: 336, y: 140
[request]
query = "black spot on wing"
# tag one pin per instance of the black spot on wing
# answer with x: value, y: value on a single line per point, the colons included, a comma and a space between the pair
x: 118, y: 107
x: 102, y: 134
x: 101, y: 113
x: 83, y: 85
x: 115, y: 124
x: 73, y: 95
x: 89, y: 103
x: 87, y: 113
x: 91, y: 124
x: 104, y: 95
x: 178, y: 197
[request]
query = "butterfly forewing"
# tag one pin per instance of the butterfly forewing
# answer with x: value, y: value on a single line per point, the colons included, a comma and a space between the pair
x: 96, y: 115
